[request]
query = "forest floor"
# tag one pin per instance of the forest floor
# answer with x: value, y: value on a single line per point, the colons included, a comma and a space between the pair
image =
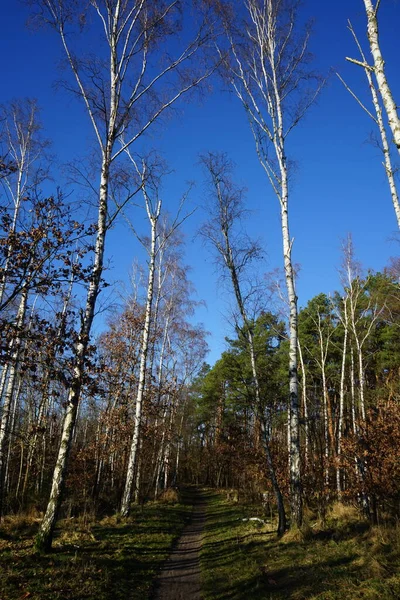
x: 111, y: 559
x: 215, y: 553
x: 342, y: 558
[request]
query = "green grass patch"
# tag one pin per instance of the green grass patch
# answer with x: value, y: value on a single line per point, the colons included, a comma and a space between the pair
x: 340, y: 560
x: 108, y: 560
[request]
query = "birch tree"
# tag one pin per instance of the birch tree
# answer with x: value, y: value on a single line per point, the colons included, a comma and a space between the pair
x: 344, y: 318
x: 378, y: 69
x: 153, y: 209
x: 21, y: 141
x: 236, y: 253
x: 324, y: 330
x: 9, y: 390
x: 124, y: 88
x: 378, y: 118
x: 267, y: 68
x: 159, y: 239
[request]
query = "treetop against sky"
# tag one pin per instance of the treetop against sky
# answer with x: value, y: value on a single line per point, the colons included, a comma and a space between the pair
x: 338, y: 184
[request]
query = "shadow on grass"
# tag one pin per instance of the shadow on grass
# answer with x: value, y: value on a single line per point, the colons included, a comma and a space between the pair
x: 101, y: 562
x: 240, y: 562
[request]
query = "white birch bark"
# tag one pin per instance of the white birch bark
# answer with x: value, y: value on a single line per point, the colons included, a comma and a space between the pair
x: 225, y: 221
x: 45, y: 535
x: 21, y: 465
x: 360, y: 337
x: 323, y: 347
x: 24, y: 148
x: 379, y: 70
x: 46, y: 388
x: 9, y: 389
x: 385, y: 93
x: 133, y: 455
x: 353, y: 393
x: 178, y: 450
x: 4, y: 374
x: 131, y: 35
x: 264, y: 86
x: 12, y: 436
x: 345, y: 322
x: 305, y: 402
x: 378, y: 119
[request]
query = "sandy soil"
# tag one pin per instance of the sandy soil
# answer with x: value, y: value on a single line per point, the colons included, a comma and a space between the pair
x: 180, y: 578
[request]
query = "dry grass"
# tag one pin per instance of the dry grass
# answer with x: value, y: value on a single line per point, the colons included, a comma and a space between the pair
x: 110, y: 521
x: 12, y: 524
x: 75, y: 537
x: 343, y: 512
x: 170, y: 496
x: 116, y: 558
x: 339, y: 558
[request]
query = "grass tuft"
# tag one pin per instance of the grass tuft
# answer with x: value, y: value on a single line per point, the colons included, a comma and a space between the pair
x: 170, y: 496
x: 341, y: 512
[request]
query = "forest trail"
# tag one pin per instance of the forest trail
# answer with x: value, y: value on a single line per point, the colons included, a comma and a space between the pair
x: 180, y: 577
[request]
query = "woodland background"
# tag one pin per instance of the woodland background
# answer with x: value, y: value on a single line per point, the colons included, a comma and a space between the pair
x: 106, y: 398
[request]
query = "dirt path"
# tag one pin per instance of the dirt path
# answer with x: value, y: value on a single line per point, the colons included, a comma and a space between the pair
x: 180, y: 578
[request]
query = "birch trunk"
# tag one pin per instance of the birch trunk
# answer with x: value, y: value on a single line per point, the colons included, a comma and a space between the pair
x: 178, y: 452
x: 25, y: 148
x: 305, y: 402
x: 159, y: 459
x: 12, y: 435
x: 390, y: 172
x: 323, y: 356
x: 385, y: 148
x: 361, y: 377
x: 138, y: 474
x: 133, y: 455
x: 326, y: 429
x: 4, y: 374
x: 9, y: 390
x: 353, y: 393
x: 379, y: 70
x: 45, y: 535
x: 262, y: 84
x: 33, y: 442
x: 341, y: 399
x: 112, y: 105
x: 226, y: 217
x: 296, y: 504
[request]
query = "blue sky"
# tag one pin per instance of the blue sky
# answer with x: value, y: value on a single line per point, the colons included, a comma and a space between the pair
x: 339, y: 185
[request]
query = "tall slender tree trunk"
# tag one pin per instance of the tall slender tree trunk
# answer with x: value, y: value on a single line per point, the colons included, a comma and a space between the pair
x: 379, y: 70
x: 259, y: 409
x: 323, y: 348
x: 353, y: 393
x: 178, y: 452
x: 45, y: 535
x: 305, y: 403
x: 296, y: 503
x: 390, y: 172
x: 133, y: 456
x: 12, y: 435
x: 225, y: 218
x: 361, y: 378
x: 9, y: 390
x: 341, y: 400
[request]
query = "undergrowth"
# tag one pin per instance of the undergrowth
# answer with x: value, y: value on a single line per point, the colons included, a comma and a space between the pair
x: 342, y: 558
x: 91, y: 560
